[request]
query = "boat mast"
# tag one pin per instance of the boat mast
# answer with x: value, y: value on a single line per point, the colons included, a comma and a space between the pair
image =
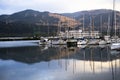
x: 58, y: 31
x: 60, y: 23
x: 74, y: 25
x: 108, y: 29
x: 114, y: 16
x: 93, y: 26
x: 83, y: 23
x: 90, y: 26
x: 101, y: 25
x: 48, y: 32
x: 83, y: 27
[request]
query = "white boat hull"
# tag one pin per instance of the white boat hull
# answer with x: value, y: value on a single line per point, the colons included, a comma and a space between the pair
x: 108, y: 41
x: 83, y: 42
x: 59, y: 42
x: 93, y: 42
x: 102, y: 42
x: 115, y: 46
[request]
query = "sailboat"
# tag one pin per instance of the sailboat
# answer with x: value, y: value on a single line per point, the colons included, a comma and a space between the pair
x: 92, y: 41
x: 59, y: 41
x: 82, y: 41
x: 116, y: 44
x: 107, y: 37
x: 101, y: 42
x: 45, y: 40
x: 71, y: 41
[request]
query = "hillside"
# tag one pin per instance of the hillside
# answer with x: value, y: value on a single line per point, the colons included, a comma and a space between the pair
x: 100, y: 17
x: 30, y: 23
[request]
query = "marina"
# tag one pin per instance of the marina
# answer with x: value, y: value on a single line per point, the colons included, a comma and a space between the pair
x: 59, y: 40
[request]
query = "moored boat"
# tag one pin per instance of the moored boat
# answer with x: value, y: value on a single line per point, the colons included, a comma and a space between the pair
x: 115, y: 46
x: 44, y: 41
x: 82, y: 42
x: 71, y: 42
x: 58, y: 42
x: 102, y: 42
x: 93, y: 42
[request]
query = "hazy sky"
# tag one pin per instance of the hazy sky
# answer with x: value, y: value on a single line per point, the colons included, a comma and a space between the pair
x: 55, y: 6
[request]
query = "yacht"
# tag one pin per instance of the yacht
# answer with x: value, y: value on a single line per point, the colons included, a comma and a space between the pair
x: 44, y: 41
x: 116, y: 44
x: 82, y: 42
x: 58, y: 42
x: 102, y: 42
x: 93, y: 42
x: 71, y: 42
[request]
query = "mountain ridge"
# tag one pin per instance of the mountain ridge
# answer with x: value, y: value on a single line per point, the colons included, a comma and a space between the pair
x: 36, y: 22
x: 39, y: 22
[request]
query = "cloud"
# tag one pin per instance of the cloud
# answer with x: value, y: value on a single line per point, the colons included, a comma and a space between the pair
x: 57, y: 6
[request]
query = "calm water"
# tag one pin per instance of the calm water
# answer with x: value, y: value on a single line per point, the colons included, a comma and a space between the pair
x: 59, y: 63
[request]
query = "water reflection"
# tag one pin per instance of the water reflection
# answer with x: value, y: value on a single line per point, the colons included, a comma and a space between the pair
x: 59, y: 63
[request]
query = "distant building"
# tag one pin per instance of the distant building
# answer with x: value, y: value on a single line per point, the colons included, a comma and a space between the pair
x: 80, y: 34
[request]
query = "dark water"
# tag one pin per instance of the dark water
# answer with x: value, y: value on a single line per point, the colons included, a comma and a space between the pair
x: 59, y: 63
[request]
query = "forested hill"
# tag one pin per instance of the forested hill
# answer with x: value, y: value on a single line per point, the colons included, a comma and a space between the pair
x: 30, y: 22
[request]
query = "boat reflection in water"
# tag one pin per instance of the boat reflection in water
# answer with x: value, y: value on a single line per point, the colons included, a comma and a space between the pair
x: 59, y: 63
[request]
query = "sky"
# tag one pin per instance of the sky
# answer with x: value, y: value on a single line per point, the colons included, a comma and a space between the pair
x: 55, y: 6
